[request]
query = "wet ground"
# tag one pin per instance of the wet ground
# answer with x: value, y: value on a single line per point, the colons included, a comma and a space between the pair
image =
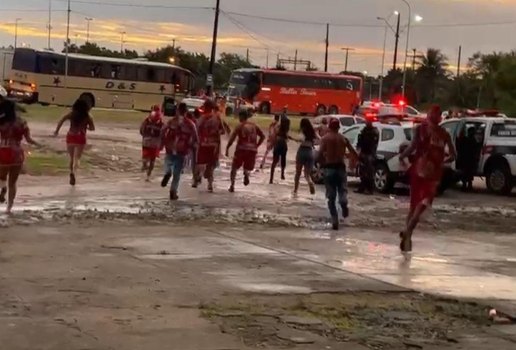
x: 111, y: 264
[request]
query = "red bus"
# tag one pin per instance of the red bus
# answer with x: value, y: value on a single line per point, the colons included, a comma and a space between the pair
x: 301, y: 92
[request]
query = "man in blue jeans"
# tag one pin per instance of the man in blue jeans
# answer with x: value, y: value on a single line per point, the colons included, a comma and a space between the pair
x: 179, y: 137
x: 332, y: 153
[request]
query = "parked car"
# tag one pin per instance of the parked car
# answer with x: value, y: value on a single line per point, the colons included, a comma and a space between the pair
x: 345, y: 120
x: 378, y: 109
x: 388, y: 170
x: 498, y: 157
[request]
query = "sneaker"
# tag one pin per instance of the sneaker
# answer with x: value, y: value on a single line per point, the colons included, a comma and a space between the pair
x: 166, y: 179
x: 231, y: 189
x: 3, y: 192
x: 246, y: 180
x: 335, y: 224
x: 345, y: 211
x: 72, y: 179
x: 210, y: 188
x: 283, y: 176
x: 173, y: 196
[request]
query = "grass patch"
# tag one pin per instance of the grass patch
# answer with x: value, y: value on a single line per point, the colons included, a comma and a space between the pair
x: 39, y: 163
x: 52, y: 114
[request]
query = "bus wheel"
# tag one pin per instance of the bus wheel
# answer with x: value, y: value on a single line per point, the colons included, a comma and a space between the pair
x: 333, y: 110
x: 89, y: 98
x: 265, y: 108
x: 321, y: 109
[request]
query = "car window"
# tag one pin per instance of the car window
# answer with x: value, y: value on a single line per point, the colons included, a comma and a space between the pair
x: 408, y: 133
x: 451, y: 128
x: 505, y: 129
x: 410, y: 110
x: 360, y: 120
x: 387, y: 134
x: 347, y: 121
x: 352, y: 134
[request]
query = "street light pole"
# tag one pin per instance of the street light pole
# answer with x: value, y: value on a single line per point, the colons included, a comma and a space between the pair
x: 88, y: 20
x: 122, y: 34
x: 397, y: 37
x: 67, y: 46
x: 387, y: 27
x: 214, y: 43
x: 16, y: 32
x: 403, y: 87
x: 49, y: 24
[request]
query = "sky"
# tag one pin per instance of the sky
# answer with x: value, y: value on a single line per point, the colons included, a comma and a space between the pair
x: 476, y: 25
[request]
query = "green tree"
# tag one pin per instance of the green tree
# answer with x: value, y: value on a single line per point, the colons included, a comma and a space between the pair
x: 431, y: 77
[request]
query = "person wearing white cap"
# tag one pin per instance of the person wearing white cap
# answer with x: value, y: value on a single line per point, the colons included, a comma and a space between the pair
x: 12, y: 131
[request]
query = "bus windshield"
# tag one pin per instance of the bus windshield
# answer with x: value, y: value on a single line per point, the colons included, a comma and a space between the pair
x: 244, y: 84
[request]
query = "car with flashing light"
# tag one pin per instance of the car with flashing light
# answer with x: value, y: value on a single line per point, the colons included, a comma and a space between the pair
x: 377, y: 109
x: 345, y: 120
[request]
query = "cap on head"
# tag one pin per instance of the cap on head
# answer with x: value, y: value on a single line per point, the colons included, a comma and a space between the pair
x: 334, y: 124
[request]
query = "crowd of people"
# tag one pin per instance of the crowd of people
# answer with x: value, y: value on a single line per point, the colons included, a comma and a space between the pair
x: 194, y: 139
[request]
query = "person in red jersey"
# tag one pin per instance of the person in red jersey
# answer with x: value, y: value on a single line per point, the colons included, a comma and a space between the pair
x: 150, y: 130
x: 428, y: 149
x: 179, y: 137
x: 210, y: 128
x: 12, y: 131
x: 80, y: 123
x: 250, y: 137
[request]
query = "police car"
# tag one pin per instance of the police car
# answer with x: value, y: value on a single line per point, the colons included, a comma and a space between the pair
x: 498, y: 157
x: 394, y: 136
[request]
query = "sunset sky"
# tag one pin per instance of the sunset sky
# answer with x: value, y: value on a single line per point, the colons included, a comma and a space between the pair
x: 477, y: 25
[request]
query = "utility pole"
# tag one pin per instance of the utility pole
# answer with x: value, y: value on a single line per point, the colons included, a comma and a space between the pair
x: 267, y: 59
x: 16, y: 32
x: 347, y: 49
x: 458, y: 62
x: 214, y: 45
x: 88, y: 20
x: 295, y: 61
x: 67, y: 46
x: 122, y: 34
x: 247, y: 55
x: 49, y: 26
x: 397, y: 36
x: 327, y: 45
x: 174, y: 45
x: 414, y: 59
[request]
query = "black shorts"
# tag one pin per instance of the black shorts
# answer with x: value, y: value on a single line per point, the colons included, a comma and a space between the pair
x: 280, y: 149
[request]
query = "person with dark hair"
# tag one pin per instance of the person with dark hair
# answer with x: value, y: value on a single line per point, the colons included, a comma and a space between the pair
x: 80, y: 123
x: 210, y: 127
x: 323, y: 128
x: 12, y: 131
x: 332, y: 153
x: 305, y: 155
x: 367, y: 145
x: 271, y: 137
x: 179, y: 137
x: 280, y: 147
x: 150, y: 130
x: 428, y: 147
x: 468, y: 157
x: 250, y: 137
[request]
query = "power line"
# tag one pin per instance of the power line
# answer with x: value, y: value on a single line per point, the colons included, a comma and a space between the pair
x: 120, y: 4
x: 248, y: 31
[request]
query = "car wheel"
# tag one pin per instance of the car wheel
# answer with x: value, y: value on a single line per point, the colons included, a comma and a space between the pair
x: 499, y: 179
x: 333, y: 110
x: 383, y: 179
x: 321, y: 110
x: 318, y: 174
x: 265, y: 108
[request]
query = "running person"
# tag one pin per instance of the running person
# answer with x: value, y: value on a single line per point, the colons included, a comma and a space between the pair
x: 250, y: 137
x: 270, y: 139
x: 210, y: 128
x: 80, y: 123
x: 429, y: 148
x: 12, y: 131
x: 331, y: 155
x: 179, y: 138
x: 280, y: 147
x: 305, y: 155
x: 151, y: 140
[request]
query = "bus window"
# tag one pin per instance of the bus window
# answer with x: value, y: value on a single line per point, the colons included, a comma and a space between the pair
x: 115, y: 71
x: 151, y: 75
x: 130, y: 72
x: 24, y: 60
x: 50, y: 64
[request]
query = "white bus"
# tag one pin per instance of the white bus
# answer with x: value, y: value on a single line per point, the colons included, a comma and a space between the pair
x: 39, y: 76
x: 6, y: 62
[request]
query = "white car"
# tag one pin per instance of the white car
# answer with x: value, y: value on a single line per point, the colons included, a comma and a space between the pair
x: 388, y: 170
x: 498, y: 157
x: 345, y: 120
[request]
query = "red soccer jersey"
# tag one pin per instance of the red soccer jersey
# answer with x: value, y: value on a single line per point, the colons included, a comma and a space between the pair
x: 248, y: 134
x: 179, y: 136
x: 210, y: 128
